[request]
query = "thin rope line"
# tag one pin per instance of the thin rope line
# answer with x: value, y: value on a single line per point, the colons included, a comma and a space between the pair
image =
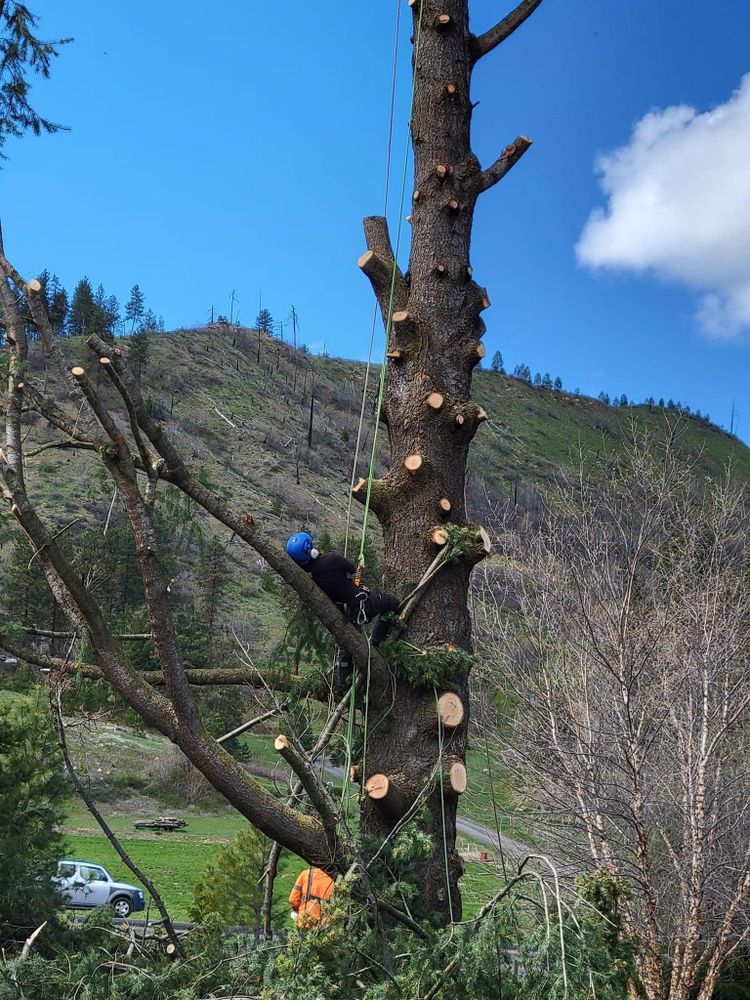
x: 389, y: 149
x: 391, y: 296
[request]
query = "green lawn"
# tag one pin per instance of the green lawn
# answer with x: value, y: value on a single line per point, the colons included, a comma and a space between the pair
x: 175, y: 866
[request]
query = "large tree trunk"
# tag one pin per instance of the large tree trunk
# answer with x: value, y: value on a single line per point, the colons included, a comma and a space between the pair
x: 434, y: 345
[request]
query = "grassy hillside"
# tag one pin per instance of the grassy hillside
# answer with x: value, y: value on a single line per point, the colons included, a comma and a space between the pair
x: 239, y: 403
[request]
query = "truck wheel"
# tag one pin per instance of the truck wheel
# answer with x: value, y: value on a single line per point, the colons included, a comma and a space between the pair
x: 122, y: 907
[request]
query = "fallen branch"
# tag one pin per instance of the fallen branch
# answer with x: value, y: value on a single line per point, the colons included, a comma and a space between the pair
x: 107, y: 831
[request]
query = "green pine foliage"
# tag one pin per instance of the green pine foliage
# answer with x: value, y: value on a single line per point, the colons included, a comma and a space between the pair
x: 232, y: 885
x: 31, y: 794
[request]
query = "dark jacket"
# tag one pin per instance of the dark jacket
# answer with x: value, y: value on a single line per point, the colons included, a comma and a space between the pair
x: 333, y: 574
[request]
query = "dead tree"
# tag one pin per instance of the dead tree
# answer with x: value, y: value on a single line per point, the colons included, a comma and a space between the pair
x: 435, y: 342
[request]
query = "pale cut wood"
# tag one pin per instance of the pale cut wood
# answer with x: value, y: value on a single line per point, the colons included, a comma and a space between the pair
x: 459, y: 419
x: 281, y: 742
x: 440, y: 269
x: 400, y: 317
x: 443, y: 20
x: 105, y: 361
x: 453, y: 205
x: 451, y: 88
x: 442, y: 170
x: 481, y: 350
x: 457, y: 777
x: 445, y: 505
x: 395, y: 355
x: 365, y: 259
x: 439, y: 536
x: 435, y: 400
x: 450, y: 710
x: 359, y: 487
x: 416, y: 195
x: 413, y: 463
x: 408, y: 219
x: 481, y: 414
x: 78, y: 372
x: 34, y: 286
x: 377, y: 786
x: 484, y: 539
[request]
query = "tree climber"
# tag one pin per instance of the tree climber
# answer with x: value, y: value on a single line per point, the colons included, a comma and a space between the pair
x: 312, y: 888
x: 336, y: 577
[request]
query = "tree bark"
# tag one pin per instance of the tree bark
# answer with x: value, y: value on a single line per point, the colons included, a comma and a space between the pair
x: 434, y: 344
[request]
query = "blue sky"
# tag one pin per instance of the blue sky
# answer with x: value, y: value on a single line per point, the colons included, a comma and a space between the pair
x: 238, y: 145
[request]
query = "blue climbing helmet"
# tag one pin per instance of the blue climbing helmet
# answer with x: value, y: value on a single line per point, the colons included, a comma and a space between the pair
x: 300, y: 547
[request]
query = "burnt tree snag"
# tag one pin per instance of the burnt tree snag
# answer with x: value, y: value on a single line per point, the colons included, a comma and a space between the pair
x: 441, y: 346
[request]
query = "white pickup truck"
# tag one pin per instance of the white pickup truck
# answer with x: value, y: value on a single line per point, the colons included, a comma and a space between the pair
x: 84, y: 885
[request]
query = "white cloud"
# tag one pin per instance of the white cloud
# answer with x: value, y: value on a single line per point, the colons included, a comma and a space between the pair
x: 678, y: 205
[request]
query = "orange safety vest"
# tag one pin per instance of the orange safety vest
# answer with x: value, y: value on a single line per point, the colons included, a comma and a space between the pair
x: 312, y: 888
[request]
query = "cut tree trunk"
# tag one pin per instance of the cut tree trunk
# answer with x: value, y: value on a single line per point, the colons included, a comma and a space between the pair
x: 435, y: 337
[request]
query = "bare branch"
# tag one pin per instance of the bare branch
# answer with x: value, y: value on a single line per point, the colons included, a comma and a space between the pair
x: 507, y: 159
x: 108, y: 833
x: 378, y: 264
x: 486, y: 42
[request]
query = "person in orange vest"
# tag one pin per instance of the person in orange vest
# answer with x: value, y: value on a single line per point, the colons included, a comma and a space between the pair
x: 312, y: 888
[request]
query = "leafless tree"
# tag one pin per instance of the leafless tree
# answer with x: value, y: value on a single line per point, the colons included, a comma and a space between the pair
x: 618, y: 629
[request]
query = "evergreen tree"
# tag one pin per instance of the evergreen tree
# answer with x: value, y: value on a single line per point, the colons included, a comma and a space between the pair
x: 264, y: 321
x: 138, y: 353
x: 57, y: 304
x: 150, y: 322
x: 604, y: 397
x: 497, y: 363
x: 106, y: 313
x: 135, y: 308
x: 212, y: 575
x: 537, y: 379
x: 522, y: 372
x: 662, y: 404
x: 558, y: 384
x: 81, y: 318
x: 22, y: 53
x: 670, y: 404
x: 650, y: 402
x: 547, y: 380
x: 31, y: 795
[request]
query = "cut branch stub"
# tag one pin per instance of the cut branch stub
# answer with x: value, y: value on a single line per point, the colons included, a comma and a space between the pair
x: 481, y: 415
x: 440, y: 270
x: 386, y: 794
x: 442, y: 170
x: 435, y: 400
x: 360, y: 488
x: 416, y: 195
x: 401, y: 321
x: 456, y: 778
x: 34, y: 285
x: 451, y: 88
x: 439, y: 536
x: 443, y: 21
x: 445, y: 505
x: 453, y: 205
x: 450, y: 710
x: 484, y: 299
x: 413, y: 463
x: 395, y: 355
x: 459, y: 419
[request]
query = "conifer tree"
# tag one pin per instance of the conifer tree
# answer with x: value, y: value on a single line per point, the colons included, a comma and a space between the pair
x: 558, y: 384
x: 22, y: 54
x: 497, y: 362
x: 264, y: 321
x: 547, y: 380
x: 81, y: 318
x: 135, y: 308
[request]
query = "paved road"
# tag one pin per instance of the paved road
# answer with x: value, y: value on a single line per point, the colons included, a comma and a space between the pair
x: 477, y: 831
